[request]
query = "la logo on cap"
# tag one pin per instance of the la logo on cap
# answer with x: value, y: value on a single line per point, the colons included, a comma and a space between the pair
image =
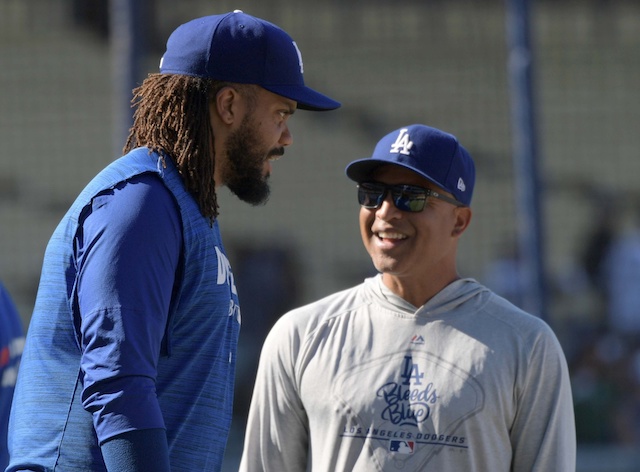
x: 403, y: 144
x: 299, y: 57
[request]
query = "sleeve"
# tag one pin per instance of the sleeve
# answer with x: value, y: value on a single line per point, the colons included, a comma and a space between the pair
x: 543, y: 434
x: 127, y: 251
x: 130, y: 451
x: 11, y: 344
x: 277, y: 433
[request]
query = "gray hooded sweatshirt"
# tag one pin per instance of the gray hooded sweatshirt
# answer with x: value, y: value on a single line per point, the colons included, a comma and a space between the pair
x: 364, y: 381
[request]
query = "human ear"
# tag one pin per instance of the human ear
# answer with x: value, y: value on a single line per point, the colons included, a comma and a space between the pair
x: 463, y: 218
x: 225, y: 104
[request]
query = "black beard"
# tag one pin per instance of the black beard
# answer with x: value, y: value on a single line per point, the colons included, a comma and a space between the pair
x: 245, y: 162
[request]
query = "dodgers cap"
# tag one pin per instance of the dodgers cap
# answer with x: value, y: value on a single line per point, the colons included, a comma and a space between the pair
x: 236, y: 47
x: 434, y: 154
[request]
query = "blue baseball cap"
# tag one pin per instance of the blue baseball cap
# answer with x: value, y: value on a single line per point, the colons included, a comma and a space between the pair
x: 434, y: 154
x: 236, y: 47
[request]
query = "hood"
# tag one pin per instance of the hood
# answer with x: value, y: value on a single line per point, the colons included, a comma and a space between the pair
x: 448, y: 299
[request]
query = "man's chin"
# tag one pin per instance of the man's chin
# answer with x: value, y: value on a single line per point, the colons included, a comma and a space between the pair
x: 254, y: 196
x: 257, y: 202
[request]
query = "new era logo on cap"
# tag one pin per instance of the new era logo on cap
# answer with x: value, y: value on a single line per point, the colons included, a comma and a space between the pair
x: 430, y: 152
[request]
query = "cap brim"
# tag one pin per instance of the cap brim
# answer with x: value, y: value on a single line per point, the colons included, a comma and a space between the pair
x: 362, y: 169
x: 307, y: 99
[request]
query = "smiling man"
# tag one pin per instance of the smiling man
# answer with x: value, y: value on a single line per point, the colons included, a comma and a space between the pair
x: 417, y: 368
x: 131, y: 350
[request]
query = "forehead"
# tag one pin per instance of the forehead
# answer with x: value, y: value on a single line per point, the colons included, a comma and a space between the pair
x: 391, y: 174
x: 271, y: 99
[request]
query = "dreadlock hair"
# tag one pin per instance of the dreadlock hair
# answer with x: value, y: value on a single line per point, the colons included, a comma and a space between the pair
x: 172, y: 118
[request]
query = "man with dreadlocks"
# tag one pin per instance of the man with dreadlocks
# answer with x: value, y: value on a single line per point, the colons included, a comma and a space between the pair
x: 131, y: 350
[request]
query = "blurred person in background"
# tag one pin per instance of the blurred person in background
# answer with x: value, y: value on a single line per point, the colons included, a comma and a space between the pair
x: 416, y: 368
x: 621, y: 277
x: 604, y: 226
x: 503, y: 274
x: 11, y: 345
x: 131, y: 350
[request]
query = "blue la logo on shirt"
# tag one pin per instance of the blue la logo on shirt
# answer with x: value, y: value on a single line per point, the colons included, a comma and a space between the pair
x: 408, y: 402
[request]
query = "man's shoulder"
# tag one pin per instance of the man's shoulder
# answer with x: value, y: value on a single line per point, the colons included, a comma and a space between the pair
x: 517, y: 320
x: 312, y: 315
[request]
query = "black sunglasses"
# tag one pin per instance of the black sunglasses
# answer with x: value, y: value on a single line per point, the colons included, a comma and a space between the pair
x: 405, y: 197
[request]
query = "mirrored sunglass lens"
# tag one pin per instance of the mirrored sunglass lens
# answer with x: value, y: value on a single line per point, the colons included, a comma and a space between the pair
x: 408, y: 200
x: 370, y: 197
x: 416, y: 204
x: 405, y: 198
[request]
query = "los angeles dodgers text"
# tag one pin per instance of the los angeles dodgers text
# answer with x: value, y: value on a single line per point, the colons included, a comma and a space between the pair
x: 376, y: 433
